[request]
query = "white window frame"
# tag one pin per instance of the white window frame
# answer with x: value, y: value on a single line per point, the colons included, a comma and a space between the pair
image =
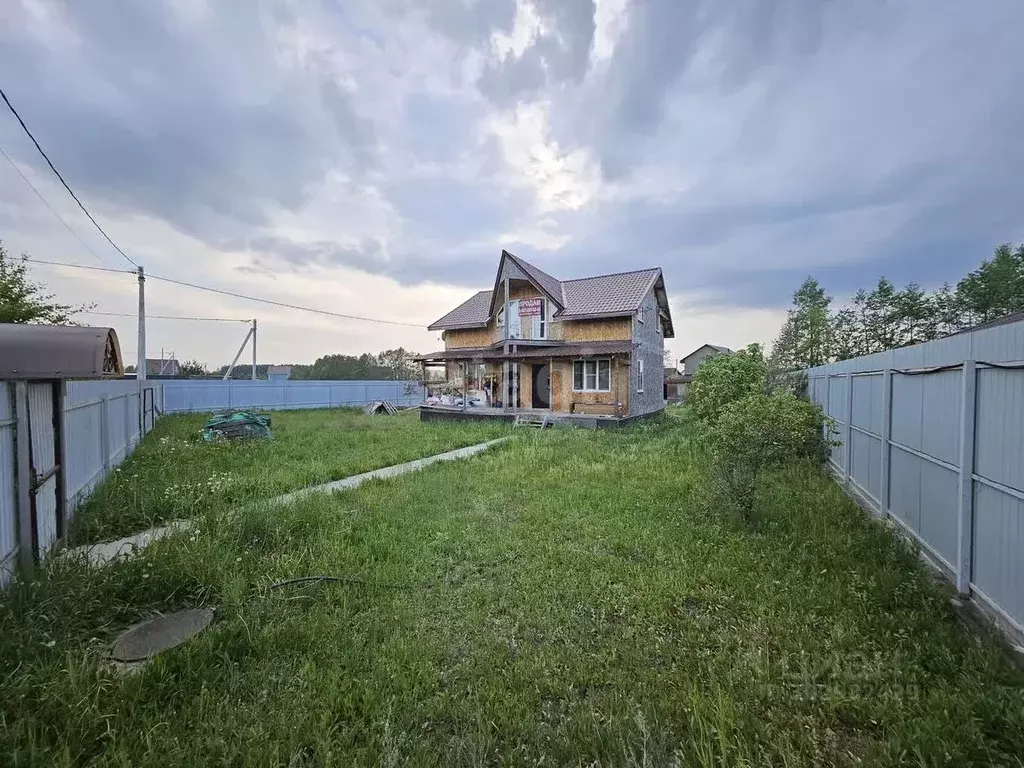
x: 540, y: 322
x: 640, y: 376
x: 597, y: 374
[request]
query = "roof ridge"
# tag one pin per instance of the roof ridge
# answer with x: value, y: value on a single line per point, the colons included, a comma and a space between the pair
x: 538, y: 275
x: 611, y: 274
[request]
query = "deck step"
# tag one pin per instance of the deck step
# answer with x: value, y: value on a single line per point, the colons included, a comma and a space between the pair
x: 531, y: 420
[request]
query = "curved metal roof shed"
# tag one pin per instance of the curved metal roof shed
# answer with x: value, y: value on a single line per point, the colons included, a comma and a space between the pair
x: 59, y: 352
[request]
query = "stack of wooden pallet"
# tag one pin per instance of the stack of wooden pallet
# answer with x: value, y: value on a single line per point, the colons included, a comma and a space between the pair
x: 381, y: 406
x: 532, y: 420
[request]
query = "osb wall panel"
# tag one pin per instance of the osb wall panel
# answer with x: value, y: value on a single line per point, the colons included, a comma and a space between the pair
x: 563, y: 397
x: 470, y: 337
x: 520, y: 290
x: 608, y: 329
x: 525, y: 386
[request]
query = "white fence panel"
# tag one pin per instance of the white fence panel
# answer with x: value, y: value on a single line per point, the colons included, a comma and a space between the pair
x: 191, y: 395
x: 102, y: 426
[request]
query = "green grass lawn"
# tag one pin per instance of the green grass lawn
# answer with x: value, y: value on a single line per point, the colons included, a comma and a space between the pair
x: 175, y: 475
x: 567, y: 598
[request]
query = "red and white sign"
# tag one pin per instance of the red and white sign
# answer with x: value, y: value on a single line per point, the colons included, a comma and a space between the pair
x: 531, y: 307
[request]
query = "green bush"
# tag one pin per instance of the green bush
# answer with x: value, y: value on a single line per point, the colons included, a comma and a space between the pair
x: 759, y: 431
x: 726, y: 379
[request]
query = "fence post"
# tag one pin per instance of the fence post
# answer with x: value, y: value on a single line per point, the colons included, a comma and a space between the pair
x: 127, y: 425
x: 883, y: 494
x: 26, y: 540
x: 848, y: 448
x: 105, y: 434
x: 965, y: 510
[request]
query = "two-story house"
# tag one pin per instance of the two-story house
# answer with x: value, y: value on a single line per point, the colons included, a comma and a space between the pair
x: 593, y: 345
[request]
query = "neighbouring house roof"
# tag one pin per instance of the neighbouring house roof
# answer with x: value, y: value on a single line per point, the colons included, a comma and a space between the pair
x: 166, y: 367
x: 716, y: 347
x: 494, y: 352
x: 279, y: 369
x: 613, y: 295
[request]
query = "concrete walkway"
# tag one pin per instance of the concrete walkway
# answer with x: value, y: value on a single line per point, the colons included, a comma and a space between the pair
x: 398, y: 469
x: 100, y: 554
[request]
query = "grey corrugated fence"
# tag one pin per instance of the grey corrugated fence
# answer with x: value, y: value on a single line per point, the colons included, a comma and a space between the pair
x: 184, y: 395
x: 103, y: 422
x: 933, y: 437
x: 101, y: 426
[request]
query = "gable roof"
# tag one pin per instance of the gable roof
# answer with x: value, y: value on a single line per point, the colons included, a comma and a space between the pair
x: 472, y: 313
x: 544, y: 281
x: 720, y: 349
x: 612, y: 295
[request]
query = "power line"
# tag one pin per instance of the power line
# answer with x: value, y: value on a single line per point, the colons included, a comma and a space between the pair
x: 54, y: 169
x: 256, y: 299
x: 171, y: 317
x: 282, y: 304
x: 34, y: 260
x: 44, y: 202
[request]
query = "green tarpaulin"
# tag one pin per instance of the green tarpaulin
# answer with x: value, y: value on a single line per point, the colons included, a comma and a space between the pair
x: 236, y: 425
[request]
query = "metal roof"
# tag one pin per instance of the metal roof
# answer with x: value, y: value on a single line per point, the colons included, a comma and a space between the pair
x: 550, y: 285
x: 473, y: 312
x: 58, y: 352
x: 587, y: 297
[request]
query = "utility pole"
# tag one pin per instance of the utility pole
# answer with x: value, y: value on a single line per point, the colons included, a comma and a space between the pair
x: 140, y: 366
x: 254, y: 349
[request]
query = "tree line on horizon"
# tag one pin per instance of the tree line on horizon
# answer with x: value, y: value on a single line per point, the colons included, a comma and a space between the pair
x: 816, y: 332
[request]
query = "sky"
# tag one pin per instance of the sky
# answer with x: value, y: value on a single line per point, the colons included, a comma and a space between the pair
x: 373, y: 157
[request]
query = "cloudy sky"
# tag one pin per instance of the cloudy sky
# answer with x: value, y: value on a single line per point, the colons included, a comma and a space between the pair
x: 373, y: 157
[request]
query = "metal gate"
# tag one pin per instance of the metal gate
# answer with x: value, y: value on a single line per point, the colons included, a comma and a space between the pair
x: 45, y: 473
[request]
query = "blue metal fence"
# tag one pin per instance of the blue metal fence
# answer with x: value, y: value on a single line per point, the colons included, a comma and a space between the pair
x: 932, y: 437
x: 186, y: 395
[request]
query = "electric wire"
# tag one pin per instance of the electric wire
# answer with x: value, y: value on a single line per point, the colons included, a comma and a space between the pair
x: 57, y: 173
x: 50, y: 207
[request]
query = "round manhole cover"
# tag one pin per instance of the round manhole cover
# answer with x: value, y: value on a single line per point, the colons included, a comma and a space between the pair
x: 158, y: 634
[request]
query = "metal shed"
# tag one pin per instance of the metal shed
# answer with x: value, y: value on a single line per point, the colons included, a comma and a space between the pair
x: 37, y: 359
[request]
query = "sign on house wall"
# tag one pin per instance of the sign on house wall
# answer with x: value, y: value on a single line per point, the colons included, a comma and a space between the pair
x: 531, y: 307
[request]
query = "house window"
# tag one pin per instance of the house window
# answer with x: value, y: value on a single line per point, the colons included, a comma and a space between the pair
x: 640, y: 375
x: 592, y: 376
x: 501, y: 317
x: 540, y: 325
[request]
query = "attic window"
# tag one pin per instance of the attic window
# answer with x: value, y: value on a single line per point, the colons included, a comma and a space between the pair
x: 501, y: 317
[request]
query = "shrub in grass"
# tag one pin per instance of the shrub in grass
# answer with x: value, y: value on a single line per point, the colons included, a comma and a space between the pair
x: 726, y: 379
x: 759, y: 431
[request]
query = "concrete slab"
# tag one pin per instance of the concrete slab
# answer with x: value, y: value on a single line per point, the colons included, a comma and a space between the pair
x: 100, y: 554
x: 398, y: 469
x: 108, y: 551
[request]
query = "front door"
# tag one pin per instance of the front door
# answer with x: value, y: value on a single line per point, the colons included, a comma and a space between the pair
x: 541, y: 386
